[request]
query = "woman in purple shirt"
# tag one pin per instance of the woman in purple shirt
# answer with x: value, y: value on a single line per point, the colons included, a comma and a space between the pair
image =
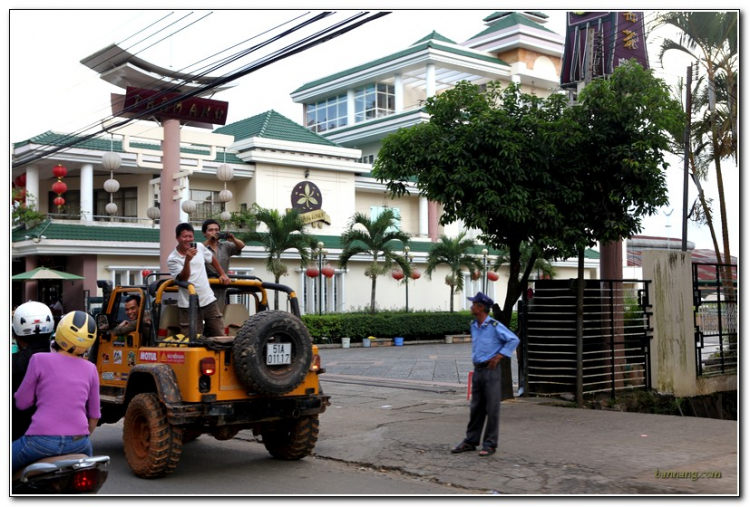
x: 64, y: 386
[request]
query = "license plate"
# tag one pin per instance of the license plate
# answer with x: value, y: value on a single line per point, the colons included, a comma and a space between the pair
x: 278, y: 353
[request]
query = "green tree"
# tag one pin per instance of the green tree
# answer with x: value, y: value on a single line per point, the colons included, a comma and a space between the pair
x: 540, y: 264
x: 24, y: 209
x: 378, y: 238
x: 711, y: 39
x: 285, y: 232
x: 491, y: 159
x: 521, y: 168
x: 457, y: 254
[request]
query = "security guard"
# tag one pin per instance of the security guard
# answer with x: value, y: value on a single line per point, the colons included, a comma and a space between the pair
x: 490, y: 342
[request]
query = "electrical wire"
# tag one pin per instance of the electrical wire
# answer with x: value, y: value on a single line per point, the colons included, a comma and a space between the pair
x: 320, y: 37
x: 78, y: 137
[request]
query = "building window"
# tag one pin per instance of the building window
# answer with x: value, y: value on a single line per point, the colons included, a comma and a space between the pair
x: 71, y: 210
x: 207, y: 204
x: 332, y: 294
x: 327, y: 114
x: 375, y: 212
x: 126, y: 200
x: 373, y: 101
x: 367, y: 159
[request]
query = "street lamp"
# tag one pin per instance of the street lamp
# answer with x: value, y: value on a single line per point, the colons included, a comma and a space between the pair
x: 409, y: 258
x: 484, y: 270
x: 321, y: 253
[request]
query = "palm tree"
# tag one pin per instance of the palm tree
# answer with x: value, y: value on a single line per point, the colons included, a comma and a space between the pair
x: 711, y: 38
x: 378, y: 239
x: 285, y: 232
x: 456, y: 254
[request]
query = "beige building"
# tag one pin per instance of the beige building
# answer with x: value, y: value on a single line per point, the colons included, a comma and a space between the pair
x: 345, y: 117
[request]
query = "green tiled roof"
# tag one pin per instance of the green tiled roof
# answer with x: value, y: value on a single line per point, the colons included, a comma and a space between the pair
x: 411, y: 50
x: 375, y: 121
x: 500, y: 14
x: 434, y: 36
x: 103, y: 144
x: 509, y: 21
x: 272, y: 125
x: 80, y: 232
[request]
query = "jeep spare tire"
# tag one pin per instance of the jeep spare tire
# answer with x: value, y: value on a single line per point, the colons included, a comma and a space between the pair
x: 272, y: 353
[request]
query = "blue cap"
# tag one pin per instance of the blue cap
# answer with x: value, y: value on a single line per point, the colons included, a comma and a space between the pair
x: 483, y: 299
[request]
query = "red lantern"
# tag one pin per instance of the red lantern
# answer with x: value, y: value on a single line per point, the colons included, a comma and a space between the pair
x: 492, y: 276
x: 20, y: 180
x: 328, y: 270
x: 59, y: 171
x: 312, y: 272
x: 415, y: 274
x: 59, y: 187
x: 59, y: 202
x: 476, y: 275
x: 145, y: 273
x: 397, y: 274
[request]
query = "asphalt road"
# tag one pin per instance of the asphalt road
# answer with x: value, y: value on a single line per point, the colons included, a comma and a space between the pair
x: 242, y: 467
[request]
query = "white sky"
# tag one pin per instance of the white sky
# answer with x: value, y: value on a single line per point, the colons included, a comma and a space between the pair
x: 51, y: 90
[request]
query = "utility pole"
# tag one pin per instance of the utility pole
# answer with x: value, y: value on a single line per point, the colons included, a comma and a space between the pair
x: 688, y: 108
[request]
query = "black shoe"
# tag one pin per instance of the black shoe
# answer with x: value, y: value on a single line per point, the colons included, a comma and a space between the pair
x: 463, y: 447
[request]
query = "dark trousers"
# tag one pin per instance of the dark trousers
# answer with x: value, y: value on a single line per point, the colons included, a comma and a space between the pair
x: 211, y: 314
x: 485, y: 407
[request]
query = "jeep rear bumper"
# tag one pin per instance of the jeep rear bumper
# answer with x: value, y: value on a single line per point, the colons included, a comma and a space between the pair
x: 246, y: 412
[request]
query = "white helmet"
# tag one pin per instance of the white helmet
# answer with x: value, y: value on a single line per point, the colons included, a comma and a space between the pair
x: 33, y: 318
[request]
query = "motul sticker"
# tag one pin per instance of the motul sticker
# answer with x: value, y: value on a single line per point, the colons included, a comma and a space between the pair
x: 172, y: 357
x: 147, y: 357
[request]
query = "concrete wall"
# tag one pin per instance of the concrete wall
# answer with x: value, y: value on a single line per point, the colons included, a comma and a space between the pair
x: 673, y: 368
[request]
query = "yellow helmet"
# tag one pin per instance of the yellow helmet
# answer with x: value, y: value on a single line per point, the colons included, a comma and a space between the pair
x: 76, y: 332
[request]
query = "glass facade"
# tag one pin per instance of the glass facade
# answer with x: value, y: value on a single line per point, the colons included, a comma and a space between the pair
x: 207, y: 204
x: 374, y: 101
x: 327, y: 114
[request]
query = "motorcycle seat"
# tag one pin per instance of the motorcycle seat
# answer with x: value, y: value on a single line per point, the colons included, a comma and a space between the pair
x: 50, y: 459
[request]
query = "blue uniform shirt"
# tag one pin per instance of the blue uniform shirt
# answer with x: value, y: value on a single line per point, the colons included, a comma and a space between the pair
x: 491, y: 338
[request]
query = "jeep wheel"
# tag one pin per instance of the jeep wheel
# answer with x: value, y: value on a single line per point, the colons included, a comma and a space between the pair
x: 291, y: 439
x: 252, y: 345
x: 152, y: 445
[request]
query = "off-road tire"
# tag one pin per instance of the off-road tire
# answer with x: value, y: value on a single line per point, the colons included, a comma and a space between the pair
x: 291, y: 439
x: 152, y: 445
x: 248, y: 353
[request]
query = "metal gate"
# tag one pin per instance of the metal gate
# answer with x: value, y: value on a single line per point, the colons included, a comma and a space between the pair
x: 616, y: 336
x: 715, y: 317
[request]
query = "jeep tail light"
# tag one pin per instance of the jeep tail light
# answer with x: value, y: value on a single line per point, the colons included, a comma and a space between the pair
x: 315, y: 364
x: 208, y: 366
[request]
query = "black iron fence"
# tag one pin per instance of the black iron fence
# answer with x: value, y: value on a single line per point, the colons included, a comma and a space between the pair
x: 616, y: 336
x: 715, y: 317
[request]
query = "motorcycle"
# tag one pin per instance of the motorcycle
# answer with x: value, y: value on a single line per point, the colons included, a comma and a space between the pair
x: 68, y: 474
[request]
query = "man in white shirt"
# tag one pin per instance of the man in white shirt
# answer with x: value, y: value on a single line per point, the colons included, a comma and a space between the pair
x: 187, y: 262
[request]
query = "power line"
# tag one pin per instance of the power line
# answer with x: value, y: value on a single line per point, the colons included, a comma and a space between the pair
x: 320, y: 37
x: 78, y: 137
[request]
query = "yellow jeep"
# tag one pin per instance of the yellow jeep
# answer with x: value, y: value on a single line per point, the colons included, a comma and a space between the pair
x: 170, y: 388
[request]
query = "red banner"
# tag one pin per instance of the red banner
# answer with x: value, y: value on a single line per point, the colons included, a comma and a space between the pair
x: 169, y: 105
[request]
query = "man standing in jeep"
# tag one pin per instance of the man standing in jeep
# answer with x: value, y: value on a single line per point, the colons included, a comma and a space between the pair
x: 187, y: 263
x: 222, y: 250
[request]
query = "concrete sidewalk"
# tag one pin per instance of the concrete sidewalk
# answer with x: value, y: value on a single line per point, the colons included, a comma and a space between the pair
x: 403, y: 408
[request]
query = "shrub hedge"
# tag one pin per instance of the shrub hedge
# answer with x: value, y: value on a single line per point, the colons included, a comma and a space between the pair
x: 411, y: 326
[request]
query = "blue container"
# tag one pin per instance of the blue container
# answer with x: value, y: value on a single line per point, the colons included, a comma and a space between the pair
x: 399, y: 341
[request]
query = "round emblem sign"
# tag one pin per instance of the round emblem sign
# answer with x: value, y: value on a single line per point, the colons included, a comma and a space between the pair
x: 306, y: 197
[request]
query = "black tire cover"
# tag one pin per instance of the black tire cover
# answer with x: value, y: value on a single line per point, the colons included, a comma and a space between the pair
x: 260, y: 331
